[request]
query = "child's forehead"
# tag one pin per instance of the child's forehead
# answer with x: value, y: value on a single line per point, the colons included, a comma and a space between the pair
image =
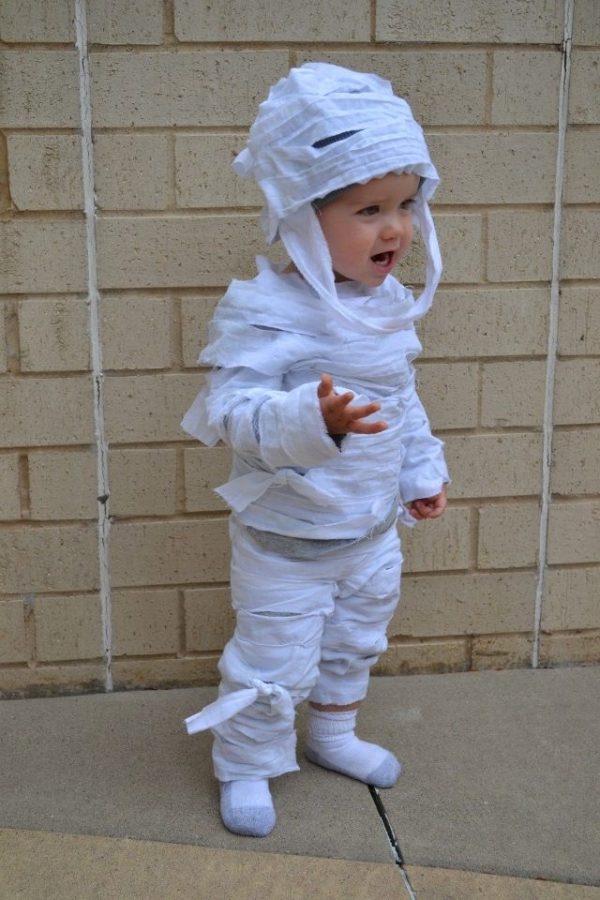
x: 391, y: 184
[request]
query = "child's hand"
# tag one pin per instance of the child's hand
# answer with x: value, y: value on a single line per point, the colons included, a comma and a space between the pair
x: 340, y: 417
x: 429, y: 507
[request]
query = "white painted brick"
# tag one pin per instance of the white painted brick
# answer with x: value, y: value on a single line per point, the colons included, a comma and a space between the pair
x: 63, y: 485
x: 131, y: 171
x: 504, y: 651
x: 512, y: 393
x: 177, y: 252
x: 31, y: 21
x: 584, y: 92
x: 40, y: 412
x: 13, y: 639
x: 42, y: 256
x: 145, y: 622
x: 494, y: 465
x: 520, y: 246
x: 461, y: 21
x: 125, y: 21
x: 582, y: 170
x: 460, y: 238
x: 574, y: 532
x: 579, y: 322
x: 54, y: 335
x: 204, y: 174
x: 579, y: 247
x: 473, y: 603
x: 157, y: 553
x: 209, y: 619
x: 142, y: 482
x: 570, y: 649
x: 214, y: 87
x: 571, y: 599
x: 45, y: 171
x: 440, y: 545
x: 586, y: 22
x: 576, y: 462
x: 576, y: 394
x: 54, y: 558
x: 450, y: 392
x: 486, y: 322
x: 406, y: 657
x: 269, y: 20
x: 153, y: 672
x: 196, y: 314
x: 494, y: 168
x: 508, y: 536
x: 42, y: 680
x: 136, y: 332
x: 205, y: 469
x: 10, y: 503
x: 68, y: 628
x: 445, y: 88
x: 141, y: 408
x: 525, y: 87
x: 41, y: 89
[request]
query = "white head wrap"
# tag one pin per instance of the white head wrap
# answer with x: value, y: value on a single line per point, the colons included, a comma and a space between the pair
x: 293, y: 160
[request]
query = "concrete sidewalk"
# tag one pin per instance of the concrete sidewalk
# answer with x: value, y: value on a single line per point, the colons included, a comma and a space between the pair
x: 105, y: 796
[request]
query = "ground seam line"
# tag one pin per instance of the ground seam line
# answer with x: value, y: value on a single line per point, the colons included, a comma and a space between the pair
x: 393, y: 840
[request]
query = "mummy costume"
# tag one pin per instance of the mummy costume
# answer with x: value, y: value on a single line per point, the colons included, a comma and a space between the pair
x: 316, y: 557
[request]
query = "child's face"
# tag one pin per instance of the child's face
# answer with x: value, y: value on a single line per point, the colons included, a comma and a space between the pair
x: 368, y: 228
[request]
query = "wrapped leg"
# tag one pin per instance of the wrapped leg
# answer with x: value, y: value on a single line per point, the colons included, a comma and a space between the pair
x: 269, y: 665
x: 353, y: 639
x: 355, y: 633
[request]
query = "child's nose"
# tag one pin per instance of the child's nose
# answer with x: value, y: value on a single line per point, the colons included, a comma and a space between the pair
x: 394, y: 225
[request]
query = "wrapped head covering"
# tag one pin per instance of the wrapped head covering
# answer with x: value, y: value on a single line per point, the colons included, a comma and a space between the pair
x: 321, y: 129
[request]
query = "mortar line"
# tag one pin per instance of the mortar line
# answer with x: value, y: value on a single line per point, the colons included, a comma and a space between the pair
x: 93, y: 299
x: 548, y: 427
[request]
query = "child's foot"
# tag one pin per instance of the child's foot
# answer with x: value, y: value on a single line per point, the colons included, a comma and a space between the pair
x: 332, y: 744
x: 247, y: 807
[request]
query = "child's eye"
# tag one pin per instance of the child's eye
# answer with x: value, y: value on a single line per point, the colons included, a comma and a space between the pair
x: 368, y: 211
x: 408, y: 204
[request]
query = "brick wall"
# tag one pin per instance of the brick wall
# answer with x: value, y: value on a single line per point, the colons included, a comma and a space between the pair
x: 102, y: 316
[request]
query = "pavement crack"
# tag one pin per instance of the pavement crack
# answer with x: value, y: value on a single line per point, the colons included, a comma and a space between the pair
x: 393, y: 840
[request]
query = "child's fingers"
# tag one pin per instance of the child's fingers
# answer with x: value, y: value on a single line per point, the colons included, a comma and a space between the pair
x: 361, y: 412
x: 358, y: 427
x: 429, y: 508
x: 416, y: 509
x: 338, y: 403
x: 436, y: 512
x: 325, y: 386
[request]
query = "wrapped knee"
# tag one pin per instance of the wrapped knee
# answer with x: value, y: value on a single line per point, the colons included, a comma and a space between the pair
x: 282, y: 649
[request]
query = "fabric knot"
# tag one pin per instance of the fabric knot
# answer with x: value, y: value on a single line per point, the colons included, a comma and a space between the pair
x: 227, y: 706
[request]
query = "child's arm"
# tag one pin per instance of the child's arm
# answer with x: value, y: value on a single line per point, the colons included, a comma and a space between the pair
x: 424, y: 474
x: 250, y: 413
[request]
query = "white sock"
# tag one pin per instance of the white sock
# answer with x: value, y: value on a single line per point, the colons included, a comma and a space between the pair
x: 332, y: 744
x: 247, y: 807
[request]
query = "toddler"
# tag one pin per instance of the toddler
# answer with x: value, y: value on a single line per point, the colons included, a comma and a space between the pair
x: 313, y: 389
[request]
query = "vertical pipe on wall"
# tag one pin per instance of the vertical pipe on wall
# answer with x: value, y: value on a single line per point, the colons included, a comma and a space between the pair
x: 87, y: 160
x: 563, y: 114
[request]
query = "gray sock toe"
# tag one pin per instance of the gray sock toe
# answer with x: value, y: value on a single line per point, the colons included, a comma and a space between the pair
x: 386, y: 774
x: 254, y: 821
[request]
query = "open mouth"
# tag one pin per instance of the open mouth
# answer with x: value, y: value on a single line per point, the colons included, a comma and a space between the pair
x: 383, y: 260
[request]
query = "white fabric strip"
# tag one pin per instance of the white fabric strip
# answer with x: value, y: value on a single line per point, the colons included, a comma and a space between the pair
x: 228, y: 705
